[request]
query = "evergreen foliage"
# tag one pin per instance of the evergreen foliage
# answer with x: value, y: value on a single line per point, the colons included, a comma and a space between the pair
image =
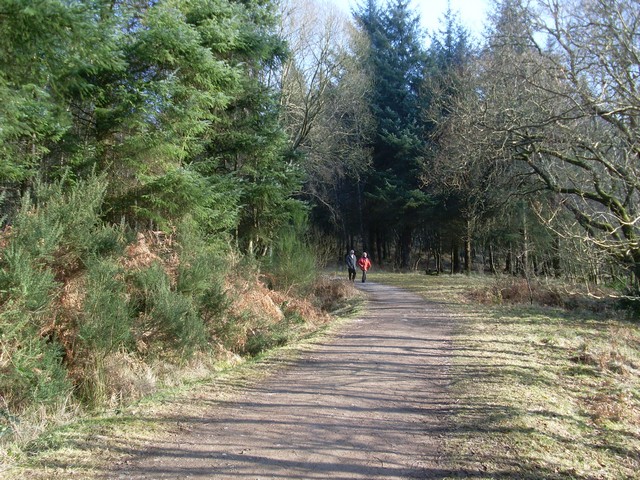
x: 396, y: 63
x: 139, y: 141
x: 151, y: 151
x: 167, y: 319
x: 106, y: 321
x: 55, y: 235
x: 292, y: 264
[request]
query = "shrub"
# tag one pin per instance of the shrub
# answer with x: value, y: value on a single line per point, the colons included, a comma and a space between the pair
x: 59, y: 224
x: 115, y: 378
x: 24, y: 282
x: 517, y: 290
x: 292, y: 263
x: 201, y: 272
x: 31, y: 368
x: 331, y: 294
x: 268, y: 336
x: 56, y: 231
x: 167, y: 320
x: 106, y: 320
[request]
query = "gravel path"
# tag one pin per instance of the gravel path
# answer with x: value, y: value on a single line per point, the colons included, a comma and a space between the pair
x: 370, y: 402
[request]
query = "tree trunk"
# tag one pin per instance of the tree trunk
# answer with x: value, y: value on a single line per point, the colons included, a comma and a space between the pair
x: 557, y: 269
x: 525, y: 244
x: 360, y: 214
x: 405, y: 247
x: 455, y: 259
x: 467, y: 249
x: 492, y: 260
x: 508, y: 263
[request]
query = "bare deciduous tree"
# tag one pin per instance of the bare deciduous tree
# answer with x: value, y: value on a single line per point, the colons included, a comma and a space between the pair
x: 558, y: 90
x: 323, y: 97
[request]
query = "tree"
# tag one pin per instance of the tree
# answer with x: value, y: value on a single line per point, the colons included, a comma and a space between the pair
x: 48, y: 51
x: 248, y: 144
x: 570, y: 113
x: 449, y: 87
x: 323, y: 92
x: 168, y: 99
x: 394, y: 200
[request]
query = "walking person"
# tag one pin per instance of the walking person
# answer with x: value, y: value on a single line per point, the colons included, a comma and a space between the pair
x: 351, y: 262
x: 365, y: 264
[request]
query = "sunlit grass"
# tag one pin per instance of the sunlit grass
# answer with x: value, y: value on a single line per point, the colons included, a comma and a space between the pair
x: 539, y: 392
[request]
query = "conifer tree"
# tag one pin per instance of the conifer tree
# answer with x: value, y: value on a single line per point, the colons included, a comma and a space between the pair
x: 394, y: 201
x: 49, y: 50
x: 168, y: 99
x: 447, y: 83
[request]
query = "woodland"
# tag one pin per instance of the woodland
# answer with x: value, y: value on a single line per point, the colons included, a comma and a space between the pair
x: 173, y: 169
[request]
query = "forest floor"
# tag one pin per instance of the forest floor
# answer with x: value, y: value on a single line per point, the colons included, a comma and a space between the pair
x: 370, y: 401
x: 432, y: 384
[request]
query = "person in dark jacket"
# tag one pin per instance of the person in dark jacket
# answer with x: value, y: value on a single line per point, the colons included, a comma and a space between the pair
x: 351, y: 262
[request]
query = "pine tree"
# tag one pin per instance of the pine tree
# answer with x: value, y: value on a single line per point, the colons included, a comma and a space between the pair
x: 446, y: 84
x: 394, y: 201
x: 49, y: 50
x: 247, y: 144
x: 167, y: 99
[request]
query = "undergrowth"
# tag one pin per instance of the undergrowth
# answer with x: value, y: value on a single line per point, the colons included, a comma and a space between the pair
x: 95, y: 316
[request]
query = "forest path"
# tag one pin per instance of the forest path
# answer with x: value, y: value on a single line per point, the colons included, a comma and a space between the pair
x: 369, y: 402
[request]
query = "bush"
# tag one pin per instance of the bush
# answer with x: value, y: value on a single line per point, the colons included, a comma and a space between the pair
x: 31, y: 368
x: 268, y: 336
x: 517, y: 290
x: 107, y: 320
x: 167, y: 320
x: 201, y: 272
x: 55, y: 232
x: 292, y: 265
x: 332, y: 295
x: 24, y: 282
x: 59, y: 224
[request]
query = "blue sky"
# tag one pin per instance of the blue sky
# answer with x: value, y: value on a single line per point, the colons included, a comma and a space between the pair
x: 472, y: 12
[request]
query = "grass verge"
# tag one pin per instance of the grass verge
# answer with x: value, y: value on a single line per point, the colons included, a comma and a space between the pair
x: 539, y: 392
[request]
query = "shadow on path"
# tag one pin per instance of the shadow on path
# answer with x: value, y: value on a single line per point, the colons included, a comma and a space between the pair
x: 371, y: 402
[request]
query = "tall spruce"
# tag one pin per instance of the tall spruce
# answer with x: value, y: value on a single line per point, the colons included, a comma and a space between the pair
x: 49, y: 52
x: 247, y: 145
x: 168, y: 99
x: 394, y: 201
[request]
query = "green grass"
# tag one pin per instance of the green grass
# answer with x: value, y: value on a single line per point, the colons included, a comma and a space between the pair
x: 539, y: 392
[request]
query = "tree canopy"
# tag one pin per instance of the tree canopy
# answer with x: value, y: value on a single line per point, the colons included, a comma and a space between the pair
x: 414, y: 145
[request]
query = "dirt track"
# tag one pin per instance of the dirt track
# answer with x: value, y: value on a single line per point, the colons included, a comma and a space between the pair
x: 368, y: 403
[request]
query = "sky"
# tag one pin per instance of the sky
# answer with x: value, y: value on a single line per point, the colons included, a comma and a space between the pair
x: 472, y: 12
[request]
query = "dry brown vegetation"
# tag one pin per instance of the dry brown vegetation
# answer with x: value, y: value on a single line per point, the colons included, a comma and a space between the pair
x: 243, y: 317
x: 546, y: 292
x: 544, y: 389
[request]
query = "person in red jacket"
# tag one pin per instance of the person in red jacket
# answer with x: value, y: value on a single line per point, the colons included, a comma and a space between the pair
x: 365, y: 264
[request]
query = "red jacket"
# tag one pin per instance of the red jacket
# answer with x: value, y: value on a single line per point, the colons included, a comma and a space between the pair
x: 364, y: 263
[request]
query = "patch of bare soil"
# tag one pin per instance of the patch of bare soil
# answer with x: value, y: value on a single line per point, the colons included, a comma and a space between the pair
x: 369, y: 402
